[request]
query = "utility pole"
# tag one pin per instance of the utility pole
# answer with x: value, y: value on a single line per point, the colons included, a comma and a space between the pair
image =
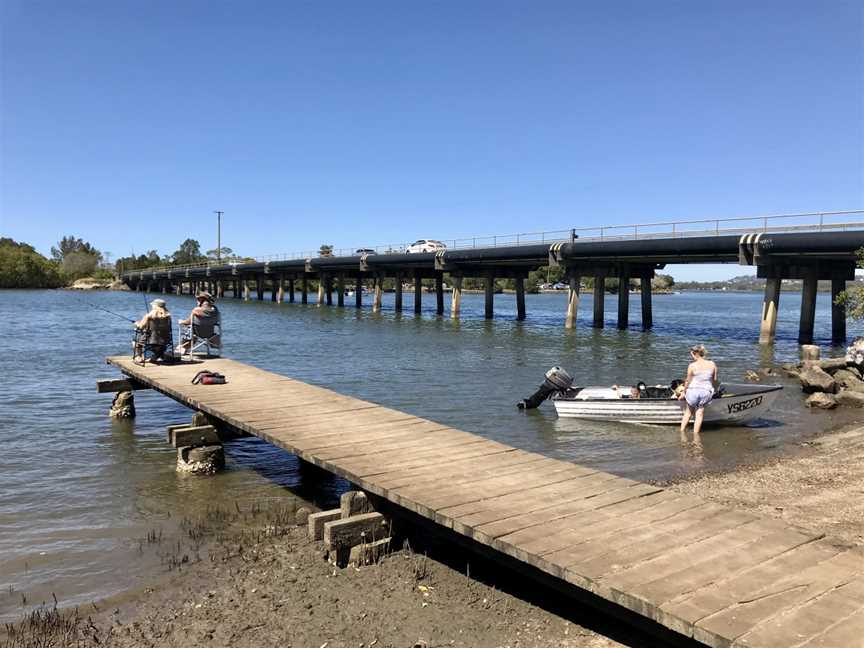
x: 218, y: 234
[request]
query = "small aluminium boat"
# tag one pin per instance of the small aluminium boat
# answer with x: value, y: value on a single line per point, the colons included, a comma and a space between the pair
x: 734, y: 404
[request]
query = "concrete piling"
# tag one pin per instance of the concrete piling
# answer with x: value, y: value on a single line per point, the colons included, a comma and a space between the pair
x: 770, y: 304
x: 456, y: 297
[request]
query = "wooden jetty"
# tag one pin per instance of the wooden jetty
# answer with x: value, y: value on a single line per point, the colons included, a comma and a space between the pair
x: 721, y: 576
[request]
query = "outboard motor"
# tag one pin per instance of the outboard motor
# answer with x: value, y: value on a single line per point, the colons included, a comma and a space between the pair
x: 557, y: 380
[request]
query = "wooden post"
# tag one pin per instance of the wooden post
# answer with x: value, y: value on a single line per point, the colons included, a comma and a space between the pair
x: 489, y: 289
x: 808, y: 308
x: 838, y: 312
x: 599, y: 300
x: 520, y: 298
x: 304, y: 289
x: 379, y: 289
x: 320, y: 290
x: 358, y: 292
x: 259, y: 286
x: 645, y: 290
x: 456, y: 297
x: 328, y: 289
x: 397, y: 297
x: 623, y: 298
x: 573, y: 290
x: 439, y: 293
x: 291, y: 290
x: 770, y: 304
x: 340, y: 290
x: 418, y: 292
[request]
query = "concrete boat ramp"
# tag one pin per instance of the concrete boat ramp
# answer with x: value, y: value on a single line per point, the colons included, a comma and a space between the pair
x: 721, y: 576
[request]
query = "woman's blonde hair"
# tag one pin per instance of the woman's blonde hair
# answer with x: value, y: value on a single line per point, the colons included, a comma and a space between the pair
x: 699, y: 350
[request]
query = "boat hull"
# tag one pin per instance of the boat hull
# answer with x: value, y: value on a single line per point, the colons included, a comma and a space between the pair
x: 738, y: 404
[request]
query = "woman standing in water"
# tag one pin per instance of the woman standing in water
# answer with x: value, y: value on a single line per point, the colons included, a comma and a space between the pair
x: 698, y: 389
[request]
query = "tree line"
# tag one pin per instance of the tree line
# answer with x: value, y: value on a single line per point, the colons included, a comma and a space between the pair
x: 72, y: 258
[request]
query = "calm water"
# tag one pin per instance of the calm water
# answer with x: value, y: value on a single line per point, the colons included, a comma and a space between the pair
x: 78, y: 490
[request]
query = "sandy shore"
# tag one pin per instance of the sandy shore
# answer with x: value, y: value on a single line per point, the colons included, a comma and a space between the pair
x: 254, y: 579
x: 820, y: 489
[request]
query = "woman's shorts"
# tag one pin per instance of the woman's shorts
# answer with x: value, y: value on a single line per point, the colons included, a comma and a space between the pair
x: 697, y: 398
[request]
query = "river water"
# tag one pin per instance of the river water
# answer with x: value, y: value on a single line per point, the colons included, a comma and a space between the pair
x: 78, y: 491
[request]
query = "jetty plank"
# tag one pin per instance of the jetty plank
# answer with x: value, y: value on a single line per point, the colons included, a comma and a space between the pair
x: 724, y: 577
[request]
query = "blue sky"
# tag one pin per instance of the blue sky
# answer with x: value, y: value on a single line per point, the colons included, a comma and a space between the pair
x: 356, y: 124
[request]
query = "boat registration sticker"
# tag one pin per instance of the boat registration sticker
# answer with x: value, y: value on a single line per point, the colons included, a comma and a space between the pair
x: 741, y: 406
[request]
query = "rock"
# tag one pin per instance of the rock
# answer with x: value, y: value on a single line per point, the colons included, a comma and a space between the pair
x: 849, y: 380
x: 809, y: 352
x: 792, y: 370
x: 752, y: 376
x: 831, y: 364
x: 205, y: 460
x: 123, y: 405
x: 301, y: 517
x: 814, y: 379
x: 850, y: 398
x: 821, y: 400
x: 767, y: 371
x: 88, y: 283
x: 118, y: 285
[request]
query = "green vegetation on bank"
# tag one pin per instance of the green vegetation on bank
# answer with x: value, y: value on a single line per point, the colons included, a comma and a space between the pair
x: 21, y: 266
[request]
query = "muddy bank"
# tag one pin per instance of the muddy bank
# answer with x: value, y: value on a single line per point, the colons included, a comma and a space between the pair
x: 253, y: 578
x: 820, y: 488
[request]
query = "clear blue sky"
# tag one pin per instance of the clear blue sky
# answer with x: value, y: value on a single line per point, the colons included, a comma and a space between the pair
x: 359, y: 123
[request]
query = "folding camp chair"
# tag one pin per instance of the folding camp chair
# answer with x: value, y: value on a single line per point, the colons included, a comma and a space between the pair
x: 203, y: 335
x: 154, y: 342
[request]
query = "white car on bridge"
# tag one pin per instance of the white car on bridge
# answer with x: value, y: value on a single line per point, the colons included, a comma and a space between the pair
x: 425, y: 245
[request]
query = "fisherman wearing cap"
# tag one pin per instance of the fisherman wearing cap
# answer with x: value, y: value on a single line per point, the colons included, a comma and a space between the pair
x: 157, y: 325
x: 205, y: 311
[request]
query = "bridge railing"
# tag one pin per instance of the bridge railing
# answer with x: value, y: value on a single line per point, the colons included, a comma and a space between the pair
x: 777, y: 223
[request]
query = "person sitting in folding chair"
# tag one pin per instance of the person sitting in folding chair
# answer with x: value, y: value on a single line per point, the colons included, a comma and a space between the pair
x: 203, y: 328
x: 153, y: 335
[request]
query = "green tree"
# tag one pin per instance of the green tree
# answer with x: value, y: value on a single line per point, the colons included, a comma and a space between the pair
x: 71, y: 245
x: 220, y: 253
x: 853, y: 297
x: 325, y: 250
x: 76, y: 257
x: 188, y: 252
x: 21, y: 266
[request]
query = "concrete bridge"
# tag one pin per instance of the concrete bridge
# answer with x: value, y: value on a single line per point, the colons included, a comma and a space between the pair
x: 784, y: 247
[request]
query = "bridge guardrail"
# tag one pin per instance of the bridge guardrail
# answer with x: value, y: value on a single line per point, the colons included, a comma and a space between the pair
x: 778, y: 223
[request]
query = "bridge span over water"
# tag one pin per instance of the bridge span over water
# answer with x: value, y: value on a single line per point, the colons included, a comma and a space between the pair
x: 777, y: 247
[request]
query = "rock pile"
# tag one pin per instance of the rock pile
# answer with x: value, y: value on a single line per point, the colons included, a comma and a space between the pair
x: 834, y: 381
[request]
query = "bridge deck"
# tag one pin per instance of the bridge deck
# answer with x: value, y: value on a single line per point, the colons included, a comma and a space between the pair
x: 724, y: 577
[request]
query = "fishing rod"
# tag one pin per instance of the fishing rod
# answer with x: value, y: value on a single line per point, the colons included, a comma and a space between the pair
x: 96, y: 306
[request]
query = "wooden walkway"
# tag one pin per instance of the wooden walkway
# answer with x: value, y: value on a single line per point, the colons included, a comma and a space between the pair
x: 722, y: 576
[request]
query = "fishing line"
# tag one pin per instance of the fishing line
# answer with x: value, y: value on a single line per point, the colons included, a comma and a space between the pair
x: 96, y: 306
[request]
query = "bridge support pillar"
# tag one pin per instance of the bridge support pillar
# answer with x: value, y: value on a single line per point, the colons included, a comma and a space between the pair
x: 838, y: 312
x: 379, y: 289
x: 599, y: 300
x: 280, y: 291
x: 770, y: 304
x: 645, y: 290
x: 320, y: 300
x: 520, y: 298
x: 439, y: 293
x: 259, y: 287
x: 328, y: 289
x: 291, y: 290
x: 489, y: 289
x: 397, y: 296
x: 245, y: 290
x: 275, y: 289
x: 456, y: 297
x: 573, y: 290
x: 340, y: 290
x: 304, y: 289
x: 164, y: 286
x: 808, y: 308
x: 623, y: 299
x: 418, y: 293
x: 358, y: 292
